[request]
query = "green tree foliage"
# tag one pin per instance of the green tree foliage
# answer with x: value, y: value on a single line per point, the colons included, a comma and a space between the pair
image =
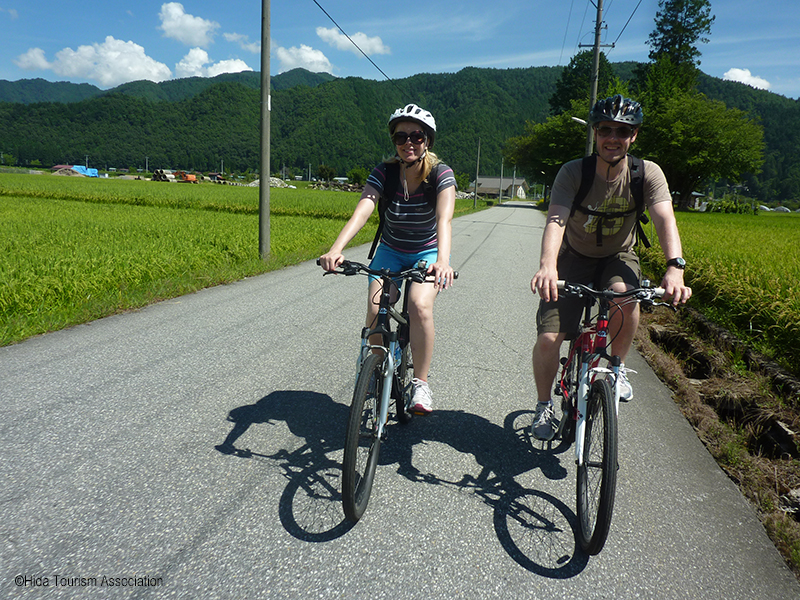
x: 680, y: 26
x: 325, y: 173
x: 342, y: 123
x: 576, y: 78
x: 695, y: 139
x: 539, y: 153
x: 358, y: 176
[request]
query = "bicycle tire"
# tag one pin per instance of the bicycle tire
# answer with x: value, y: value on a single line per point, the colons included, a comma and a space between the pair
x: 565, y: 408
x: 403, y: 387
x: 362, y: 444
x: 597, y: 475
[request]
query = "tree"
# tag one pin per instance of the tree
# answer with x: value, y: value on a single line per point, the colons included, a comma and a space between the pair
x: 325, y: 173
x: 576, y: 78
x: 680, y: 25
x: 358, y: 176
x: 694, y: 139
x: 544, y: 147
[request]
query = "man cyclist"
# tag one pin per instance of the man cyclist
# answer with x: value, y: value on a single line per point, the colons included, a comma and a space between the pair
x: 574, y: 249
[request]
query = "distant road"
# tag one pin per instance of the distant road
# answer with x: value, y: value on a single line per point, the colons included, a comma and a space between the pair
x: 111, y: 473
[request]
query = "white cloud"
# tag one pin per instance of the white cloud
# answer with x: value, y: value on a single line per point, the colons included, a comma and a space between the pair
x: 33, y: 60
x: 305, y: 57
x: 12, y: 12
x: 745, y: 76
x: 194, y: 65
x: 187, y: 29
x: 109, y: 64
x: 244, y: 42
x: 370, y: 45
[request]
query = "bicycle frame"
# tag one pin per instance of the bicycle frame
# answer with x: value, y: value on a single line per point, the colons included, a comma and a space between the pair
x: 593, y: 343
x: 386, y: 313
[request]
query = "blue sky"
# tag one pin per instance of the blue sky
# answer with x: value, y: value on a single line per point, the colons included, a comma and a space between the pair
x: 111, y: 42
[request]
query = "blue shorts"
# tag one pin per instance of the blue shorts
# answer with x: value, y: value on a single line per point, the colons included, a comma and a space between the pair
x: 387, y: 258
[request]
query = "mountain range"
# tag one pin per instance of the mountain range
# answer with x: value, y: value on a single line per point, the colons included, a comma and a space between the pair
x: 210, y: 123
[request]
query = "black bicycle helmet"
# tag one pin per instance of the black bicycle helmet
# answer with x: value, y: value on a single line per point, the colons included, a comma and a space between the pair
x: 618, y: 109
x: 412, y: 112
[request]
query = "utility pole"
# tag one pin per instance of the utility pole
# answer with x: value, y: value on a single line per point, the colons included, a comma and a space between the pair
x: 266, y: 107
x: 477, y: 170
x: 595, y: 72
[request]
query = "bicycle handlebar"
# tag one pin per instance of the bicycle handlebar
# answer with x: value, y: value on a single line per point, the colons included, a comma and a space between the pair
x: 579, y: 290
x: 417, y: 274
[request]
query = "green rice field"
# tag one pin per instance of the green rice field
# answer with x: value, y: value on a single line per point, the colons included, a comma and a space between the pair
x: 77, y: 249
x: 745, y: 274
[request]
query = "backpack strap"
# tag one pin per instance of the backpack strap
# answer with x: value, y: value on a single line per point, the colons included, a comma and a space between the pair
x: 390, y: 190
x: 588, y: 169
x: 636, y: 166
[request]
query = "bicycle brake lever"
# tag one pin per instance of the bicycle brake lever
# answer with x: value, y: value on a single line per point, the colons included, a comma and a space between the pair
x: 667, y: 304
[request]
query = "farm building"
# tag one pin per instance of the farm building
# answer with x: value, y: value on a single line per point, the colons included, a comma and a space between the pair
x: 490, y: 186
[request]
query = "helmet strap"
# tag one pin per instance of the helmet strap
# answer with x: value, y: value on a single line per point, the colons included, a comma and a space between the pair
x: 411, y: 164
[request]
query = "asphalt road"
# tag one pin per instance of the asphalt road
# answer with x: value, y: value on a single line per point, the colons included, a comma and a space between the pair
x: 113, y: 485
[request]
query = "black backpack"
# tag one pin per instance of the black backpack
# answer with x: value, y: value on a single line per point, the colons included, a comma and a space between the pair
x: 636, y: 166
x: 389, y: 191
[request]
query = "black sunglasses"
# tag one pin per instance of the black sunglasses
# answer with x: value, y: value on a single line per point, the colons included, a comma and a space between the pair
x: 622, y: 133
x: 401, y: 137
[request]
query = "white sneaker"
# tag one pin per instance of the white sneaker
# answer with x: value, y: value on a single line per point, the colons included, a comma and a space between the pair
x: 625, y: 388
x: 422, y: 400
x: 544, y: 425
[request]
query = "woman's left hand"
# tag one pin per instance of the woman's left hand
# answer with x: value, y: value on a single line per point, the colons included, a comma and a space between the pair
x: 443, y: 275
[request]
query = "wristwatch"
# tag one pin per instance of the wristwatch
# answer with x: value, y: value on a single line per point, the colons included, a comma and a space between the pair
x: 677, y: 262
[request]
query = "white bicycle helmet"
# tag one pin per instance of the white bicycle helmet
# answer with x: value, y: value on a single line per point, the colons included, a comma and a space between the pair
x: 412, y: 112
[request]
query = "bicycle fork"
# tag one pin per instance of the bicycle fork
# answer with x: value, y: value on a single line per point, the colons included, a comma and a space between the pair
x: 387, y: 372
x: 587, y: 375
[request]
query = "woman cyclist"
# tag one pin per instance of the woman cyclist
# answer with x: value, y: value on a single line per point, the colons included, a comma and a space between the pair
x: 413, y: 230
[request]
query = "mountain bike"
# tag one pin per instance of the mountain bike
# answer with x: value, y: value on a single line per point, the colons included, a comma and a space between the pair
x: 384, y: 373
x: 589, y: 407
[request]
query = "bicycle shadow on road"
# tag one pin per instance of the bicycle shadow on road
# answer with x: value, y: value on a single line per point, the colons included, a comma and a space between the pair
x: 310, y: 508
x: 536, y: 529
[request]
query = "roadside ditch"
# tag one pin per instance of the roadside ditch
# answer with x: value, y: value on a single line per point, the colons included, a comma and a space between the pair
x: 744, y: 408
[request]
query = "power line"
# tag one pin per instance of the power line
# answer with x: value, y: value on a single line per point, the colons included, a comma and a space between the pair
x: 627, y: 22
x: 566, y: 30
x: 359, y: 49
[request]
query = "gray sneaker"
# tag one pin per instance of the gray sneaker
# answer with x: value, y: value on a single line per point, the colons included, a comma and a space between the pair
x: 544, y: 422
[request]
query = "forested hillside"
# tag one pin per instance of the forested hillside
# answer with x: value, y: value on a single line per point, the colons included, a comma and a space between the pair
x: 32, y: 91
x: 203, y: 124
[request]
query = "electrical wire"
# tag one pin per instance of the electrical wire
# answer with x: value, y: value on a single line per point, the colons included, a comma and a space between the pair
x: 359, y: 49
x: 566, y: 31
x: 627, y: 22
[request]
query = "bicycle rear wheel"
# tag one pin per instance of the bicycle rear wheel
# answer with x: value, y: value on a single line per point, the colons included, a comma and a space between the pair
x: 597, y: 476
x: 403, y: 391
x: 362, y: 444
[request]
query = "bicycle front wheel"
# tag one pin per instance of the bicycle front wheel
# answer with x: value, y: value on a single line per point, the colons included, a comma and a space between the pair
x: 403, y: 378
x: 362, y: 444
x: 597, y: 475
x: 565, y: 406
